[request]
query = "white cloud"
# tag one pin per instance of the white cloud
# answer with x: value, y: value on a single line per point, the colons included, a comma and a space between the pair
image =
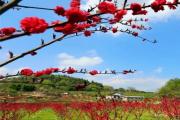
x: 66, y: 60
x: 89, y: 3
x: 147, y: 83
x: 5, y: 70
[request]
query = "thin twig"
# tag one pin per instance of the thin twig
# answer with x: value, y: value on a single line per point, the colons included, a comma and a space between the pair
x: 59, y: 39
x: 9, y: 5
x: 125, y: 2
x: 30, y: 51
x: 40, y: 8
x: 81, y: 71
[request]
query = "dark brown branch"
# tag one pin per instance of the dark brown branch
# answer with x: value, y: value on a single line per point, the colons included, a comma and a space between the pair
x: 127, y: 32
x: 125, y: 2
x: 9, y: 5
x: 40, y: 8
x: 33, y: 50
x: 81, y: 71
x: 126, y: 24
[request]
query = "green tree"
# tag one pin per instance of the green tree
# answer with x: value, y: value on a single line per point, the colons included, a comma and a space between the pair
x: 171, y: 88
x: 107, y: 88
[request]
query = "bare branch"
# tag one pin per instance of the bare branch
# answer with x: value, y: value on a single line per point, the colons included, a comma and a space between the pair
x: 9, y: 5
x: 59, y: 39
x: 30, y: 51
x: 40, y: 8
x: 80, y: 71
x: 125, y: 2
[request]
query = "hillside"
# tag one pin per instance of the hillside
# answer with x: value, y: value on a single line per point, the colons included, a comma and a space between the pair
x: 48, y: 84
x: 52, y: 84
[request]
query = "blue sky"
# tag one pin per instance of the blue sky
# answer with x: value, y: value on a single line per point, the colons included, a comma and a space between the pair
x: 156, y: 63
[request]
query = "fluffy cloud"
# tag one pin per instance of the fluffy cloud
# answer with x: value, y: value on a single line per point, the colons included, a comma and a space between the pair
x: 66, y: 60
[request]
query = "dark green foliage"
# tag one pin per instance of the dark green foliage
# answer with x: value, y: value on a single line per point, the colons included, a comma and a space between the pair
x: 28, y: 88
x: 94, y: 86
x: 22, y: 87
x: 16, y: 87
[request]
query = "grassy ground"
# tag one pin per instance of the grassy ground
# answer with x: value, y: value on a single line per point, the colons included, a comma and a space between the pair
x: 48, y: 114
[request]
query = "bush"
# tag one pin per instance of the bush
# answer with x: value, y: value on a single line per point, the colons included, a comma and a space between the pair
x: 16, y: 87
x: 28, y: 88
x: 93, y: 87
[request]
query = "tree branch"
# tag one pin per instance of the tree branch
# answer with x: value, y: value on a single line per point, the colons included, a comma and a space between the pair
x: 80, y: 71
x: 30, y: 51
x: 125, y: 2
x: 9, y: 5
x: 31, y: 7
x: 63, y: 36
x: 63, y: 23
x: 5, y: 38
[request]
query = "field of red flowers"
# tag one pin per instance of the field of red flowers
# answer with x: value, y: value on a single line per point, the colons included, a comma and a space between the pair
x: 149, y: 109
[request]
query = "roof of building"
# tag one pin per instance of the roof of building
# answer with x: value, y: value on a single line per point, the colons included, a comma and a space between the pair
x: 118, y: 94
x: 134, y: 96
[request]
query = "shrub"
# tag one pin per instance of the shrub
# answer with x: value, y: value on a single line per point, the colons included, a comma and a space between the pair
x: 29, y: 88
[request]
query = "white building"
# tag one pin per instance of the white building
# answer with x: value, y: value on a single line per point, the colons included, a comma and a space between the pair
x: 118, y: 96
x: 132, y: 98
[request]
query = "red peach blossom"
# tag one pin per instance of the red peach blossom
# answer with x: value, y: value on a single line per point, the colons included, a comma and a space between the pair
x: 26, y: 72
x: 59, y: 10
x: 33, y: 25
x: 7, y: 31
x: 107, y: 7
x: 93, y: 72
x: 87, y: 33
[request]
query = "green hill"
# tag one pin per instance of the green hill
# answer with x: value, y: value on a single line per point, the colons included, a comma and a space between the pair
x: 49, y: 83
x: 57, y: 84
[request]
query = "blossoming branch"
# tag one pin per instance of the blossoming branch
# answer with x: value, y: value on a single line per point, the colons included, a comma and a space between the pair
x: 70, y: 70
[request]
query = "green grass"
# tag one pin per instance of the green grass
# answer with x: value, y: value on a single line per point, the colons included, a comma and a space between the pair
x: 46, y: 114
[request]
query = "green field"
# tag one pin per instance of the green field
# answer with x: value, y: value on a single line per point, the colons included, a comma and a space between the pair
x: 48, y: 114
